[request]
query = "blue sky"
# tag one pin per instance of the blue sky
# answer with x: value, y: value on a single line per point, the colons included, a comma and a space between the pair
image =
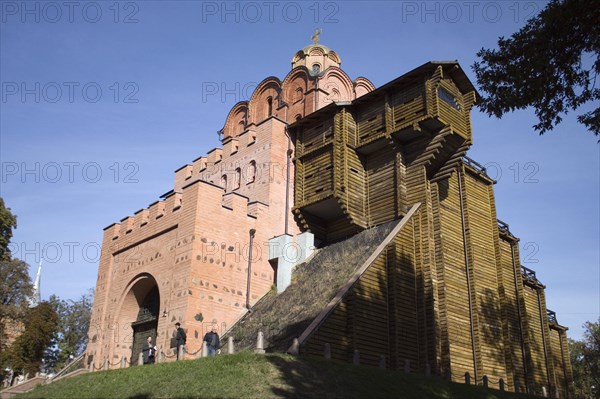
x: 102, y: 101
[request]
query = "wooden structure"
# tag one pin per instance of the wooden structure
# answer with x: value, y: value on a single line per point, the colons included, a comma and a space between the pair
x: 447, y: 291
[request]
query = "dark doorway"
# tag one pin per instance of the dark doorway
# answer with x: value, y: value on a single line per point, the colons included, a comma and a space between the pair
x: 145, y: 324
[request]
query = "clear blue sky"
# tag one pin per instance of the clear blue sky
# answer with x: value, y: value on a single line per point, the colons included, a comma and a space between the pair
x: 102, y: 101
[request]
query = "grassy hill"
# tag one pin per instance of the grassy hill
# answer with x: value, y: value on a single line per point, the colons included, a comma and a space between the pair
x: 246, y: 375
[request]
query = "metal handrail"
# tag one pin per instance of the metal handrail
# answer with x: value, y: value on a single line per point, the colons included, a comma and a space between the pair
x: 474, y: 164
x: 529, y: 274
x: 503, y: 226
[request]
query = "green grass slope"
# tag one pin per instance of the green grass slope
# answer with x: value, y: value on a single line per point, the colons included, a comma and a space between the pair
x: 247, y: 375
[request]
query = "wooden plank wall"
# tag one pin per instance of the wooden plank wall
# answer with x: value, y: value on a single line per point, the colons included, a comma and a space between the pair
x: 405, y: 339
x: 559, y: 360
x: 539, y: 373
x: 454, y: 318
x: 379, y: 314
x: 442, y: 344
x: 370, y: 121
x: 514, y: 338
x: 317, y: 177
x: 360, y: 321
x: 483, y: 236
x: 382, y: 203
x: 418, y: 189
x: 408, y: 105
x: 546, y: 337
x: 354, y: 192
x: 430, y: 276
x: 450, y: 115
x: 314, y: 137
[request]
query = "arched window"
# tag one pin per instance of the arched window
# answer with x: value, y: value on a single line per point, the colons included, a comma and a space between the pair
x: 250, y: 172
x: 299, y: 94
x: 237, y: 178
x: 224, y: 182
x: 269, y: 106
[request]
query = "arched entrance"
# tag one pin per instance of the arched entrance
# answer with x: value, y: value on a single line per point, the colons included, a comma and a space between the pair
x: 138, y: 317
x: 146, y: 322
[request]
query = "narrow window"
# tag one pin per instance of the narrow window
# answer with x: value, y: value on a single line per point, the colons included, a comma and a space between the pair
x: 237, y: 178
x: 251, y: 172
x: 447, y: 97
x: 270, y: 106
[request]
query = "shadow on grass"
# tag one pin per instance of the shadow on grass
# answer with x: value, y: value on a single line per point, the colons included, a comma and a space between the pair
x: 303, y: 381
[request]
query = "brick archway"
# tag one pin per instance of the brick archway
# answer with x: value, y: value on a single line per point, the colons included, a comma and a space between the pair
x: 137, y: 317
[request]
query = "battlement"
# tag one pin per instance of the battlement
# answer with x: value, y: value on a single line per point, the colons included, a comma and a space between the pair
x: 167, y: 212
x: 230, y: 146
x: 215, y: 155
x: 205, y: 166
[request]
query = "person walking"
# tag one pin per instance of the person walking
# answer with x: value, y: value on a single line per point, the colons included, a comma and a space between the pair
x: 180, y: 337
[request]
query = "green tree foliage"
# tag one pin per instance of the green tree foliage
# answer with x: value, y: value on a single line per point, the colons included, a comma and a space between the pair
x: 15, y: 290
x: 8, y: 222
x: 39, y: 333
x: 551, y: 64
x: 585, y: 361
x: 74, y: 322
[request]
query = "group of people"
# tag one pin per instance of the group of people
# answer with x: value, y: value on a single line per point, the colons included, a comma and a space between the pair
x: 211, y: 340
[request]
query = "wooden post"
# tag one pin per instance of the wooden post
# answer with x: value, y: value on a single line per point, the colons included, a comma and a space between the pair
x: 123, y: 362
x: 180, y: 352
x: 91, y: 366
x: 544, y: 392
x: 230, y: 348
x: 204, y: 349
x: 141, y: 359
x: 160, y: 356
x: 501, y: 383
x: 327, y: 351
x: 485, y: 381
x: 467, y: 378
x: 105, y: 364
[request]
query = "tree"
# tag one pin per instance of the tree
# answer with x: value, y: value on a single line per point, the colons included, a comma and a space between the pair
x: 551, y: 64
x: 15, y: 290
x: 585, y: 361
x: 74, y: 321
x: 8, y: 222
x: 40, y: 328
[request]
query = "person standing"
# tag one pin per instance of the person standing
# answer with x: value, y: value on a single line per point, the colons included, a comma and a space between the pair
x: 149, y: 351
x: 211, y: 340
x: 180, y: 337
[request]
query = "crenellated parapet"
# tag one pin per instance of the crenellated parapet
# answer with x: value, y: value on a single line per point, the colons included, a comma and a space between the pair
x: 167, y: 212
